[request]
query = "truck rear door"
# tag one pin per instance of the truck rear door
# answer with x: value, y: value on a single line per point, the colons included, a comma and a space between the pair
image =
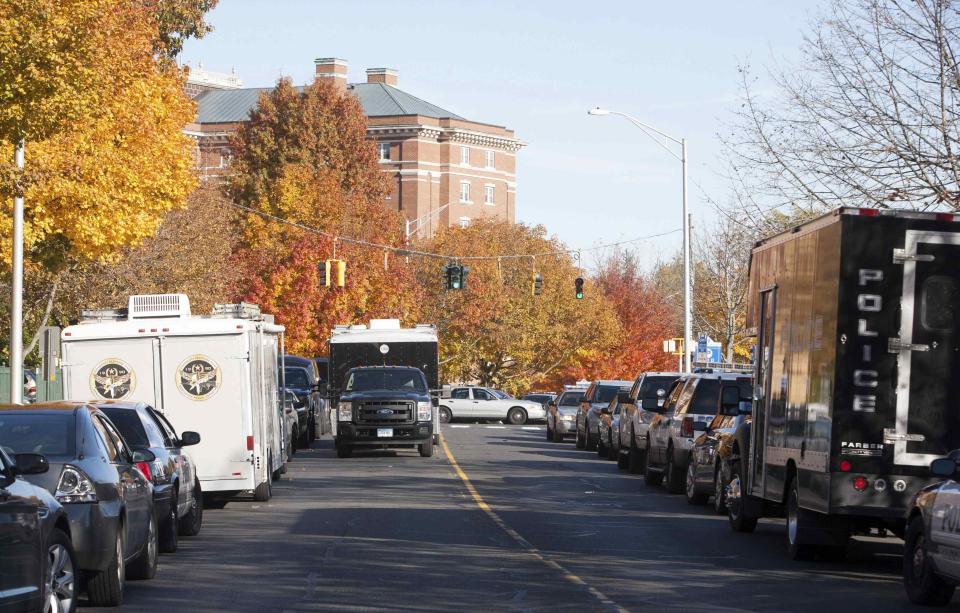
x: 112, y: 369
x: 928, y: 349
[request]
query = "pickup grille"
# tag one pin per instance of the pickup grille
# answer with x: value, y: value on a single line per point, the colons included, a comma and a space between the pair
x: 376, y: 413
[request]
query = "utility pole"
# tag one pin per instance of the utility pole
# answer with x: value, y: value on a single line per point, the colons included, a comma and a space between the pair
x: 16, y: 291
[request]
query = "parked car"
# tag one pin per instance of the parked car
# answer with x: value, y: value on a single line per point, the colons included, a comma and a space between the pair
x: 502, y: 395
x: 543, y: 398
x: 37, y: 561
x: 931, y: 550
x: 598, y: 396
x: 482, y: 403
x: 290, y: 419
x: 302, y: 377
x: 93, y: 474
x: 562, y: 415
x: 705, y: 474
x: 646, y: 399
x: 29, y: 386
x: 177, y: 496
x: 608, y: 443
x: 691, y: 406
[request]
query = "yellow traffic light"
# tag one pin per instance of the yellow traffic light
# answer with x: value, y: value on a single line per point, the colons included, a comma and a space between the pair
x: 340, y: 271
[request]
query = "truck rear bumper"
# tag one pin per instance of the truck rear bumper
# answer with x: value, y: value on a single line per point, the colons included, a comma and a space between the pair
x: 886, y: 496
x: 367, y: 434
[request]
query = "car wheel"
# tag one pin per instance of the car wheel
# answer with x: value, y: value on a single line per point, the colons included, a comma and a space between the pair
x: 61, y: 578
x: 649, y: 476
x: 344, y: 451
x: 426, y: 448
x: 719, y: 492
x: 145, y: 566
x: 690, y: 485
x: 292, y: 446
x: 517, y: 416
x: 592, y: 440
x: 169, y: 528
x: 105, y: 588
x: 675, y: 474
x: 446, y: 415
x: 612, y: 452
x: 739, y: 520
x: 638, y: 459
x: 797, y: 549
x: 922, y: 583
x: 549, y: 432
x: 191, y: 522
x: 304, y: 440
x: 581, y: 439
x: 623, y: 460
x: 601, y: 446
x: 557, y: 436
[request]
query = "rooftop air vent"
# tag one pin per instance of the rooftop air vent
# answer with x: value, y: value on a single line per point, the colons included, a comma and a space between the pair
x: 99, y: 315
x: 159, y: 305
x: 244, y: 310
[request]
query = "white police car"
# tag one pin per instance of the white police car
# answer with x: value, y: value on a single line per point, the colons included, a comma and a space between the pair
x: 931, y: 557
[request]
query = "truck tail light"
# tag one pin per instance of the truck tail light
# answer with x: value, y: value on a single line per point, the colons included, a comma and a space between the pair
x: 870, y: 212
x: 946, y: 217
x: 249, y: 443
x: 844, y: 466
x: 686, y: 427
x: 860, y: 483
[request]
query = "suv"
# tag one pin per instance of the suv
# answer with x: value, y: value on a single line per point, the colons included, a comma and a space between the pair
x: 597, y: 397
x: 562, y: 415
x: 301, y: 378
x: 692, y: 403
x: 647, y: 396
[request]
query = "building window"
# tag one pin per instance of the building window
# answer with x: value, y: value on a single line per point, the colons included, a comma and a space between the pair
x: 464, y: 222
x: 490, y: 159
x: 384, y: 149
x: 465, y: 191
x: 465, y: 156
x: 488, y: 194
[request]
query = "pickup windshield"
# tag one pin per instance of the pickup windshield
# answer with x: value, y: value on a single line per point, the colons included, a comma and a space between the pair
x: 383, y: 379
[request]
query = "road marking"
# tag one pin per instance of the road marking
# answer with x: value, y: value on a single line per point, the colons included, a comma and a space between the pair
x: 532, y: 428
x: 460, y: 426
x: 524, y: 543
x: 496, y: 427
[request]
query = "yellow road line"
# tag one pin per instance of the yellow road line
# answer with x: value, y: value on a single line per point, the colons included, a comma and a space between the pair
x: 524, y: 543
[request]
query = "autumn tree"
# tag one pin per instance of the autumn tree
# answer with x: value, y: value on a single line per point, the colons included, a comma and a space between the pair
x: 645, y: 315
x: 496, y: 331
x: 306, y: 174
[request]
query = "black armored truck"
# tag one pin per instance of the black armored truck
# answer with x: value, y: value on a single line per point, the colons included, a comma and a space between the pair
x: 381, y: 384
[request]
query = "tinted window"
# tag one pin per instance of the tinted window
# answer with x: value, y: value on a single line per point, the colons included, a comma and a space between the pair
x: 605, y: 393
x: 707, y: 398
x: 674, y: 395
x: 130, y: 426
x: 117, y: 438
x: 106, y: 441
x: 399, y: 379
x: 482, y: 395
x: 570, y: 399
x: 461, y: 393
x: 169, y: 434
x: 938, y: 303
x: 651, y: 385
x: 297, y: 377
x: 45, y: 433
x: 501, y: 394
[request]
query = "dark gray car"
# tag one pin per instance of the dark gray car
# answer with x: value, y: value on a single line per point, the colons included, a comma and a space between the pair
x: 37, y: 562
x: 93, y: 474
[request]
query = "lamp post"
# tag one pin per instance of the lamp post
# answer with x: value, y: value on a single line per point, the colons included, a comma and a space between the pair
x: 16, y: 290
x: 411, y: 222
x: 663, y: 139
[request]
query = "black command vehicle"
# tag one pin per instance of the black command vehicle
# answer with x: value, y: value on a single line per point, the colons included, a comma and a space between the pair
x: 93, y: 474
x: 177, y: 496
x: 857, y: 373
x: 37, y: 563
x: 380, y: 381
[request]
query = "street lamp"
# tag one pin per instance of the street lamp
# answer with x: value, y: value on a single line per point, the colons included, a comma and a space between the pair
x: 657, y: 135
x: 411, y: 222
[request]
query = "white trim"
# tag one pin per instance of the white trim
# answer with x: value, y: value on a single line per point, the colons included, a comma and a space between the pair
x: 466, y: 200
x: 464, y: 149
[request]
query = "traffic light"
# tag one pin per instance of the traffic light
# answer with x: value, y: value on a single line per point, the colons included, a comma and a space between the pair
x: 332, y: 272
x: 579, y: 284
x: 537, y: 284
x: 324, y: 269
x: 455, y: 276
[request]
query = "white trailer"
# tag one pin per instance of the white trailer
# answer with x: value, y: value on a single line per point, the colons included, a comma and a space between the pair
x: 216, y: 375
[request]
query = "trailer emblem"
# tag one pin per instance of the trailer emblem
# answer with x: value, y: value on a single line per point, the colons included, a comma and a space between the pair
x: 112, y: 379
x: 199, y: 377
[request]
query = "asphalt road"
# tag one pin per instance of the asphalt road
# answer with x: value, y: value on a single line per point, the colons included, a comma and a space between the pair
x: 537, y: 526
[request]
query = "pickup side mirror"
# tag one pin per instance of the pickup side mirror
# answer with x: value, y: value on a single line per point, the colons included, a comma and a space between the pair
x: 943, y: 467
x: 31, y: 464
x: 189, y: 438
x: 143, y: 455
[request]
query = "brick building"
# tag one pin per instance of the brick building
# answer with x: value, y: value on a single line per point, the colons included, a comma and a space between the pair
x: 435, y: 157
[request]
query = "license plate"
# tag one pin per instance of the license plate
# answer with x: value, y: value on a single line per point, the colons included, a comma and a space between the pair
x: 384, y: 432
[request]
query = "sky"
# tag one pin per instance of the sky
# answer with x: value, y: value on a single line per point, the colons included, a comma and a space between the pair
x: 536, y: 67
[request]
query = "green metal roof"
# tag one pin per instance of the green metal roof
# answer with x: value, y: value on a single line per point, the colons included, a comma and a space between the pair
x: 377, y: 99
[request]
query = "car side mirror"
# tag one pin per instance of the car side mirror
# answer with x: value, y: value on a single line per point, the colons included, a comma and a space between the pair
x: 143, y: 455
x: 189, y: 438
x: 943, y: 467
x: 435, y: 401
x: 31, y: 464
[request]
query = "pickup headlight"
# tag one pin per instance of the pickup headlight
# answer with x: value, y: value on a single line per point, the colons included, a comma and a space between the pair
x: 424, y: 411
x: 345, y: 411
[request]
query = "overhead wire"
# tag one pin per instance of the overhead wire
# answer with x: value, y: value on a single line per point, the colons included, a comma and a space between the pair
x: 405, y: 251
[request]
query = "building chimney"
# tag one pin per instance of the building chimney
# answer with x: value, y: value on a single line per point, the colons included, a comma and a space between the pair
x: 387, y: 76
x: 332, y: 68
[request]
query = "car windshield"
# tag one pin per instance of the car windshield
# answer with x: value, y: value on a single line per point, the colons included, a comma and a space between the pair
x: 605, y: 393
x: 502, y: 395
x: 571, y: 399
x: 296, y: 377
x: 129, y: 425
x: 652, y: 385
x: 49, y: 434
x: 363, y: 380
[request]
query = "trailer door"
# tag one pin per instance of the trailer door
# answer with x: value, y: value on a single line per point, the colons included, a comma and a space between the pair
x: 112, y: 369
x: 928, y: 349
x: 761, y: 400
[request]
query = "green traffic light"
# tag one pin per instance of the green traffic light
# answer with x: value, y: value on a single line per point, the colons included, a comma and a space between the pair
x: 579, y: 295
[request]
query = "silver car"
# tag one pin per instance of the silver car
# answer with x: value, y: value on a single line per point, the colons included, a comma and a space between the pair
x: 562, y: 415
x: 647, y: 396
x: 596, y: 398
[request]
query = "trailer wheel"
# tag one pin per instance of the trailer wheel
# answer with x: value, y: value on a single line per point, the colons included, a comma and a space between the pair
x: 264, y: 491
x: 739, y: 521
x: 426, y: 448
x: 344, y: 451
x: 923, y: 585
x: 797, y: 549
